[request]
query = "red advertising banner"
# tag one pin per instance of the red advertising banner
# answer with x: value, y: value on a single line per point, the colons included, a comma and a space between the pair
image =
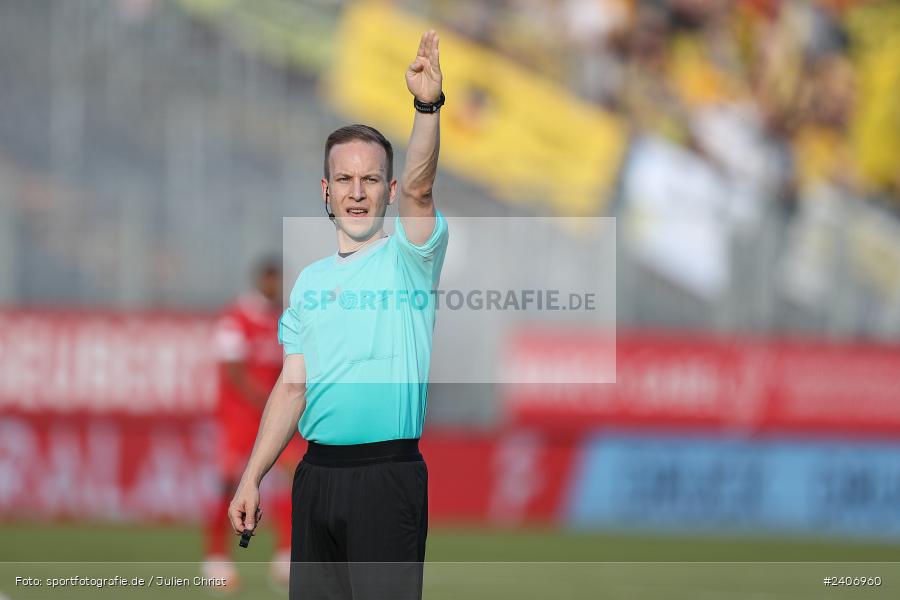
x: 107, y: 416
x: 123, y: 363
x: 106, y: 467
x: 688, y: 380
x: 502, y: 477
x: 125, y: 468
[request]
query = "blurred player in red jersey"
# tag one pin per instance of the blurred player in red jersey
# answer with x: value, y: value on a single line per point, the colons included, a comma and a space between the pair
x: 250, y: 360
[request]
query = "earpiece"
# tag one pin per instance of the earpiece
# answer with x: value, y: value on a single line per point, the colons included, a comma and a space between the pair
x: 328, y: 205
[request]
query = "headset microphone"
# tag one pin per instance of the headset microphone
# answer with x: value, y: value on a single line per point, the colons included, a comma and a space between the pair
x: 327, y: 205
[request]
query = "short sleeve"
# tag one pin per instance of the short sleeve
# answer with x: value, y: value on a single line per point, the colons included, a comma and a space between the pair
x: 430, y: 255
x: 434, y: 244
x: 289, y: 331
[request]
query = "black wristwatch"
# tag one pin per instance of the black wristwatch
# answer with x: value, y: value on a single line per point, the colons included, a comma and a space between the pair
x: 428, y: 109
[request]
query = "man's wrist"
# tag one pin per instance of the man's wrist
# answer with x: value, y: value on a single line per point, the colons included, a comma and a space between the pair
x: 250, y: 478
x: 429, y: 107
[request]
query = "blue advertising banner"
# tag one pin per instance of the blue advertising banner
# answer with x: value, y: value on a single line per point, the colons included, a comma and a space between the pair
x: 678, y: 482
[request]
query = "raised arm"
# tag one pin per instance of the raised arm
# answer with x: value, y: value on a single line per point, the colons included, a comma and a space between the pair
x: 278, y: 425
x: 423, y: 79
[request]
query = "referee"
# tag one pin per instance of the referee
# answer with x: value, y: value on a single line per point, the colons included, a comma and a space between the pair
x: 357, y: 340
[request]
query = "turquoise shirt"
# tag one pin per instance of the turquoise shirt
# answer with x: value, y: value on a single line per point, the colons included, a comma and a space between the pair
x: 364, y: 326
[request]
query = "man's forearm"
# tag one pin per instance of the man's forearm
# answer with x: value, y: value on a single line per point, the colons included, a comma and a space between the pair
x: 422, y: 157
x: 278, y: 425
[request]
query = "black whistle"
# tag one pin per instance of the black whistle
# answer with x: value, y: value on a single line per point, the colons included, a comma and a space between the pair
x: 245, y: 538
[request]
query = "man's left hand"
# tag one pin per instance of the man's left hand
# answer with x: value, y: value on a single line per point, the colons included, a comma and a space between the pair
x: 423, y: 77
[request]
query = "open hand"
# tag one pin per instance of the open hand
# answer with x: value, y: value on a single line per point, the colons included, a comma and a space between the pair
x: 423, y: 77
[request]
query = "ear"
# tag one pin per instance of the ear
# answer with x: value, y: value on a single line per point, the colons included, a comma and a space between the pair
x: 392, y: 189
x: 324, y: 183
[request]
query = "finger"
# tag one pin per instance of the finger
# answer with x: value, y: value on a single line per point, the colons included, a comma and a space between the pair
x: 250, y: 520
x: 434, y: 40
x: 235, y: 516
x: 426, y: 43
x: 422, y: 45
x: 436, y: 55
x: 416, y: 66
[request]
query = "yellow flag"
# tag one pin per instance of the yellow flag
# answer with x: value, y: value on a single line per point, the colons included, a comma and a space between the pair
x: 523, y: 137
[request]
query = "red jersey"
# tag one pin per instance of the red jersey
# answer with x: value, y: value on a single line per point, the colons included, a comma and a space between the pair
x: 247, y: 332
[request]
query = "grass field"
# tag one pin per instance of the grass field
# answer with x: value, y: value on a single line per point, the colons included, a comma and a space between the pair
x: 472, y: 563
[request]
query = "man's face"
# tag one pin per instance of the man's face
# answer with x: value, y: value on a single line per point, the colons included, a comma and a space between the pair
x: 269, y: 285
x: 358, y: 189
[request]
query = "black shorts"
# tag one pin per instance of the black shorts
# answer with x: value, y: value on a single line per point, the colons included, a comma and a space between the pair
x: 359, y: 522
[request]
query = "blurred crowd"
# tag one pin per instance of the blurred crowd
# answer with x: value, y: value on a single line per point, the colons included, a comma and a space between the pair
x: 797, y: 94
x: 760, y: 174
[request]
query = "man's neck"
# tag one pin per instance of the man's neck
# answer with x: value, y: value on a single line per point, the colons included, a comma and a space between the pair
x: 347, y: 245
